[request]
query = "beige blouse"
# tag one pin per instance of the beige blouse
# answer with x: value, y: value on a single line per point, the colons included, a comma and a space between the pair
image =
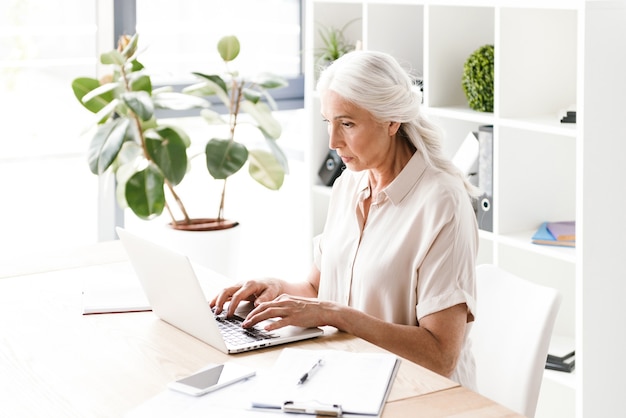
x: 414, y: 256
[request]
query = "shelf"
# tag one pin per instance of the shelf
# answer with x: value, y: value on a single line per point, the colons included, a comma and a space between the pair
x: 523, y: 241
x: 550, y: 55
x: 566, y: 379
x: 549, y: 124
x: 461, y: 113
x: 544, y: 124
x: 563, y: 378
x: 535, y: 164
x: 535, y: 156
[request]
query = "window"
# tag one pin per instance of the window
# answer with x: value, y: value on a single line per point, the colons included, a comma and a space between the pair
x: 181, y: 37
x: 48, y: 192
x: 49, y: 197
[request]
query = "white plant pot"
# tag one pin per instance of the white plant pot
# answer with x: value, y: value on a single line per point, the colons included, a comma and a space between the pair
x: 217, y: 250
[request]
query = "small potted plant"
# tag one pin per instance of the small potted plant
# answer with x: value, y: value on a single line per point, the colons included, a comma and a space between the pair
x: 477, y: 80
x: 150, y: 158
x: 334, y: 44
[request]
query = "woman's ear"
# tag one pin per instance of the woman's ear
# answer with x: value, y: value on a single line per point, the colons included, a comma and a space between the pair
x: 393, y: 128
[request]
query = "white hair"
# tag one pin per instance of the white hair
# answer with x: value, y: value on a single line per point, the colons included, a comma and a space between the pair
x: 376, y: 82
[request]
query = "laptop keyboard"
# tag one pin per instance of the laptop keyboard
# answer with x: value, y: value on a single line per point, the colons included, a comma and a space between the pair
x: 234, y: 333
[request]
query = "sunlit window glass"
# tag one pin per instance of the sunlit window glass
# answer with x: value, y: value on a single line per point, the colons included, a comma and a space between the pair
x: 48, y: 193
x: 181, y: 37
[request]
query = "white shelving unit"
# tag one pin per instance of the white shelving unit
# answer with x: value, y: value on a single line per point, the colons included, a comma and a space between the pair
x: 549, y: 55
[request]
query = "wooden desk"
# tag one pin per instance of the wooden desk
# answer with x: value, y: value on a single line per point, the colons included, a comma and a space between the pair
x: 55, y: 362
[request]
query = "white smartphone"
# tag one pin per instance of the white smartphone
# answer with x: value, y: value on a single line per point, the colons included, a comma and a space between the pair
x: 211, y: 378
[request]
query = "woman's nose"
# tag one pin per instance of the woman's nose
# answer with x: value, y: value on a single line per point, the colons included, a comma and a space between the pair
x: 333, y: 138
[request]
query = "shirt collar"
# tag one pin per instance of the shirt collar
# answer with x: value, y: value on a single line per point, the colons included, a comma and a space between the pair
x: 408, y: 177
x: 401, y: 185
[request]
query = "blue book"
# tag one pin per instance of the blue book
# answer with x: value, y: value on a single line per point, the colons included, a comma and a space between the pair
x: 544, y: 237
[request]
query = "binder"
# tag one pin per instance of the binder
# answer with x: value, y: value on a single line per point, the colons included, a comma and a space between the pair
x: 346, y: 383
x: 485, y: 159
x: 466, y: 157
x: 484, y: 209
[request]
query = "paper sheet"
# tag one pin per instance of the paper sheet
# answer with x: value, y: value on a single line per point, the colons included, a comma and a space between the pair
x: 358, y: 382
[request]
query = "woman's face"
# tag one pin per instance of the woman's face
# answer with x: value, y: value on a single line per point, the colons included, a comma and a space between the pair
x: 360, y: 141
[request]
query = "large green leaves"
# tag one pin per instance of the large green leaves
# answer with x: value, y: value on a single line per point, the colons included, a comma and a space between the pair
x: 266, y: 169
x: 167, y: 147
x: 140, y: 103
x: 270, y: 81
x: 140, y: 82
x: 225, y: 157
x: 278, y: 154
x: 113, y: 57
x: 211, y: 85
x: 144, y: 192
x: 84, y: 85
x: 261, y: 112
x: 147, y: 157
x: 106, y: 144
x: 228, y: 47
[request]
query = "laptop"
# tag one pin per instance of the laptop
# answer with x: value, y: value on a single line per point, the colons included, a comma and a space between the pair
x: 175, y: 296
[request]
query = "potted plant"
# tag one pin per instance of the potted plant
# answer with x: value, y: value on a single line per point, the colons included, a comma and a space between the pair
x: 149, y: 158
x: 477, y: 80
x: 334, y: 44
x: 224, y: 155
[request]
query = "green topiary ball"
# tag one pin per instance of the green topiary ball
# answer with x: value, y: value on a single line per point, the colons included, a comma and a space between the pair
x: 478, y: 79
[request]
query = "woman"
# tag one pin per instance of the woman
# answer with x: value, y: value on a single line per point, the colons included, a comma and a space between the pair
x: 395, y: 263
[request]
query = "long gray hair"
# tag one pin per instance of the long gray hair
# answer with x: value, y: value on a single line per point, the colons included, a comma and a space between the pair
x: 375, y: 81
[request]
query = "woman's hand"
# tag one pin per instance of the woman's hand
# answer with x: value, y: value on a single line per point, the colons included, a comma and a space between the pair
x: 265, y: 290
x: 290, y: 310
x: 257, y: 291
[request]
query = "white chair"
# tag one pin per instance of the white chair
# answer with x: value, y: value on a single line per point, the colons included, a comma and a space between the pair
x: 510, y: 337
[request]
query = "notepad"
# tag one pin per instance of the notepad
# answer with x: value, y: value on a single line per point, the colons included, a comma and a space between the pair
x: 112, y: 288
x: 355, y: 383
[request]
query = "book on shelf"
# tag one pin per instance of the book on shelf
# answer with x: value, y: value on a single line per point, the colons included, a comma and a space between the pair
x: 562, y: 231
x: 543, y: 236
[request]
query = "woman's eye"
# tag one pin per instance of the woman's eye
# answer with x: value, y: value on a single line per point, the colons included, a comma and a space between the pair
x: 344, y: 124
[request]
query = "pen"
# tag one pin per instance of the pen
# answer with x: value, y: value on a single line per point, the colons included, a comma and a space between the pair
x: 308, y: 374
